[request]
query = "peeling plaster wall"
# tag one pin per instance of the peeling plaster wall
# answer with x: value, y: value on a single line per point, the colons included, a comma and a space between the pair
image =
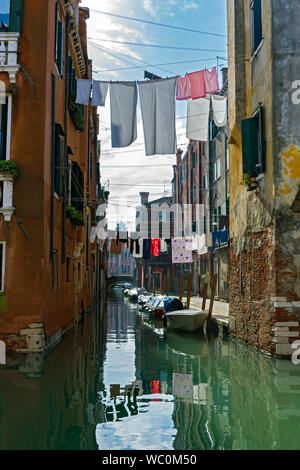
x: 286, y: 142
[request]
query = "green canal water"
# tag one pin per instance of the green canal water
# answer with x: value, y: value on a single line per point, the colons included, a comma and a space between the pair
x: 119, y: 382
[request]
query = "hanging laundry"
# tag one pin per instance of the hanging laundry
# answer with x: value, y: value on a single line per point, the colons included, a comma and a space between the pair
x: 99, y: 93
x: 219, y: 104
x: 123, y: 101
x: 202, y: 248
x: 138, y: 248
x: 197, y: 84
x: 146, y: 248
x: 83, y: 91
x: 198, y: 119
x: 224, y: 236
x: 182, y: 250
x: 184, y: 89
x: 216, y: 237
x: 163, y: 246
x: 115, y: 247
x: 158, y: 114
x: 211, y: 81
x: 155, y: 247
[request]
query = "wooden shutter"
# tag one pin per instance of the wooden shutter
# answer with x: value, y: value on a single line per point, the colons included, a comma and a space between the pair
x: 262, y: 160
x: 62, y: 50
x: 194, y: 159
x: 250, y: 146
x: 15, y: 16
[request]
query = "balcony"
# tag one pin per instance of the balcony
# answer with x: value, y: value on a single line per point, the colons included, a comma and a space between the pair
x: 9, y: 54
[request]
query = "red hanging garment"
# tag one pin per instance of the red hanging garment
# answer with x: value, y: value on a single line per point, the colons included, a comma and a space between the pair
x: 211, y: 81
x: 155, y: 247
x: 197, y: 84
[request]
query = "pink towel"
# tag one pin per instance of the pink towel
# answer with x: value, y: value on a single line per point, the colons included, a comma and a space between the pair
x: 197, y: 84
x: 211, y: 81
x: 184, y: 91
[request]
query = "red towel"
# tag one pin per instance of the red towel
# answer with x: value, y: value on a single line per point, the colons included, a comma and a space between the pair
x: 197, y: 84
x: 155, y: 247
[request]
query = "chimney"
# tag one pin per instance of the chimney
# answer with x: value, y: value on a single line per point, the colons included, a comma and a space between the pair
x: 224, y: 71
x: 144, y: 198
x: 178, y: 156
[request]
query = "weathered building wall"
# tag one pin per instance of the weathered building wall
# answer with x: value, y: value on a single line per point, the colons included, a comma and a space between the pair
x: 264, y: 231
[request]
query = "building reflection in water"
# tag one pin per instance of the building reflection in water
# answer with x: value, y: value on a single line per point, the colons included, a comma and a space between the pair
x: 118, y: 382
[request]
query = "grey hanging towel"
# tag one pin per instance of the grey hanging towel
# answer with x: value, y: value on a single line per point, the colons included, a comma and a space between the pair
x: 123, y: 101
x: 99, y: 93
x: 158, y: 113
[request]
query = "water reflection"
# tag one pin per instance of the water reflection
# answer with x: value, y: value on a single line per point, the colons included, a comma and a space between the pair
x: 120, y: 382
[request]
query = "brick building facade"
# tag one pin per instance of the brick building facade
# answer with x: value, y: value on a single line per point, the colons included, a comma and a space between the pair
x: 51, y: 267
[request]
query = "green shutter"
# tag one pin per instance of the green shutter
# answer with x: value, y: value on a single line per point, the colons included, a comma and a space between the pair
x: 15, y: 16
x: 194, y: 160
x: 3, y: 130
x: 62, y: 50
x: 250, y: 146
x: 262, y: 160
x: 56, y: 35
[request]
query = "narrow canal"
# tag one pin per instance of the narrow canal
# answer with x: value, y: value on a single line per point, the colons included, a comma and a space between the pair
x: 119, y: 382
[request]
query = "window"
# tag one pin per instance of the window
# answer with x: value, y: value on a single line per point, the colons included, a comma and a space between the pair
x: 59, y: 42
x: 77, y: 187
x: 55, y: 271
x: 204, y: 182
x: 193, y: 159
x: 3, y: 126
x: 2, y: 265
x: 217, y: 170
x: 256, y: 14
x: 213, y: 130
x: 11, y: 12
x: 253, y: 144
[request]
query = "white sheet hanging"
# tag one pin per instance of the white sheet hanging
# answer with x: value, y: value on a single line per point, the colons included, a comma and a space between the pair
x: 219, y: 104
x: 99, y: 93
x: 83, y: 91
x: 197, y: 119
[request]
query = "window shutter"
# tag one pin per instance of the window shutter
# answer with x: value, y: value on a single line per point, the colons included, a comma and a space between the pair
x: 250, y: 146
x: 262, y: 160
x: 62, y: 50
x: 56, y: 35
x: 194, y: 160
x: 15, y: 16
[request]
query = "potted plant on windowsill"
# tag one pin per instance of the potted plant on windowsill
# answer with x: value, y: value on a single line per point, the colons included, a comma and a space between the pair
x: 8, y: 168
x: 249, y: 181
x: 75, y: 216
x: 75, y: 113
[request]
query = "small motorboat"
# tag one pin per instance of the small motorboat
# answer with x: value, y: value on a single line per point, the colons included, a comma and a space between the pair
x: 160, y: 305
x: 134, y: 293
x: 185, y: 320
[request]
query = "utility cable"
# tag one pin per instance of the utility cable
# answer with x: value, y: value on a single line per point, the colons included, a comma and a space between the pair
x: 140, y: 20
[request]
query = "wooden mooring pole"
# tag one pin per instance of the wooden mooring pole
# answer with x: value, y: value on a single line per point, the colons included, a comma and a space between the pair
x: 188, y: 299
x: 181, y: 287
x: 169, y: 284
x: 212, y: 299
x: 204, y: 296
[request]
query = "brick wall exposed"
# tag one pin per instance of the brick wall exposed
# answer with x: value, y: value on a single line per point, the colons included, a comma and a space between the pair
x: 264, y: 310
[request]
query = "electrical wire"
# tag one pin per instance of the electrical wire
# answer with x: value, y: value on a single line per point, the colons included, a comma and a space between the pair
x: 159, y: 24
x: 159, y: 46
x: 113, y: 53
x: 156, y: 65
x: 130, y: 57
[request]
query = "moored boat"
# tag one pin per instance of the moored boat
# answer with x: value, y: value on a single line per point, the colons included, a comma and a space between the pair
x: 185, y: 320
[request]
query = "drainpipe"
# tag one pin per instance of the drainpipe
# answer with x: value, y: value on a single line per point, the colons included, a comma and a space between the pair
x: 65, y: 164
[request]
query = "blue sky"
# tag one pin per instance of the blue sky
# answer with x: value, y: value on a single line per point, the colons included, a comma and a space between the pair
x: 204, y: 15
